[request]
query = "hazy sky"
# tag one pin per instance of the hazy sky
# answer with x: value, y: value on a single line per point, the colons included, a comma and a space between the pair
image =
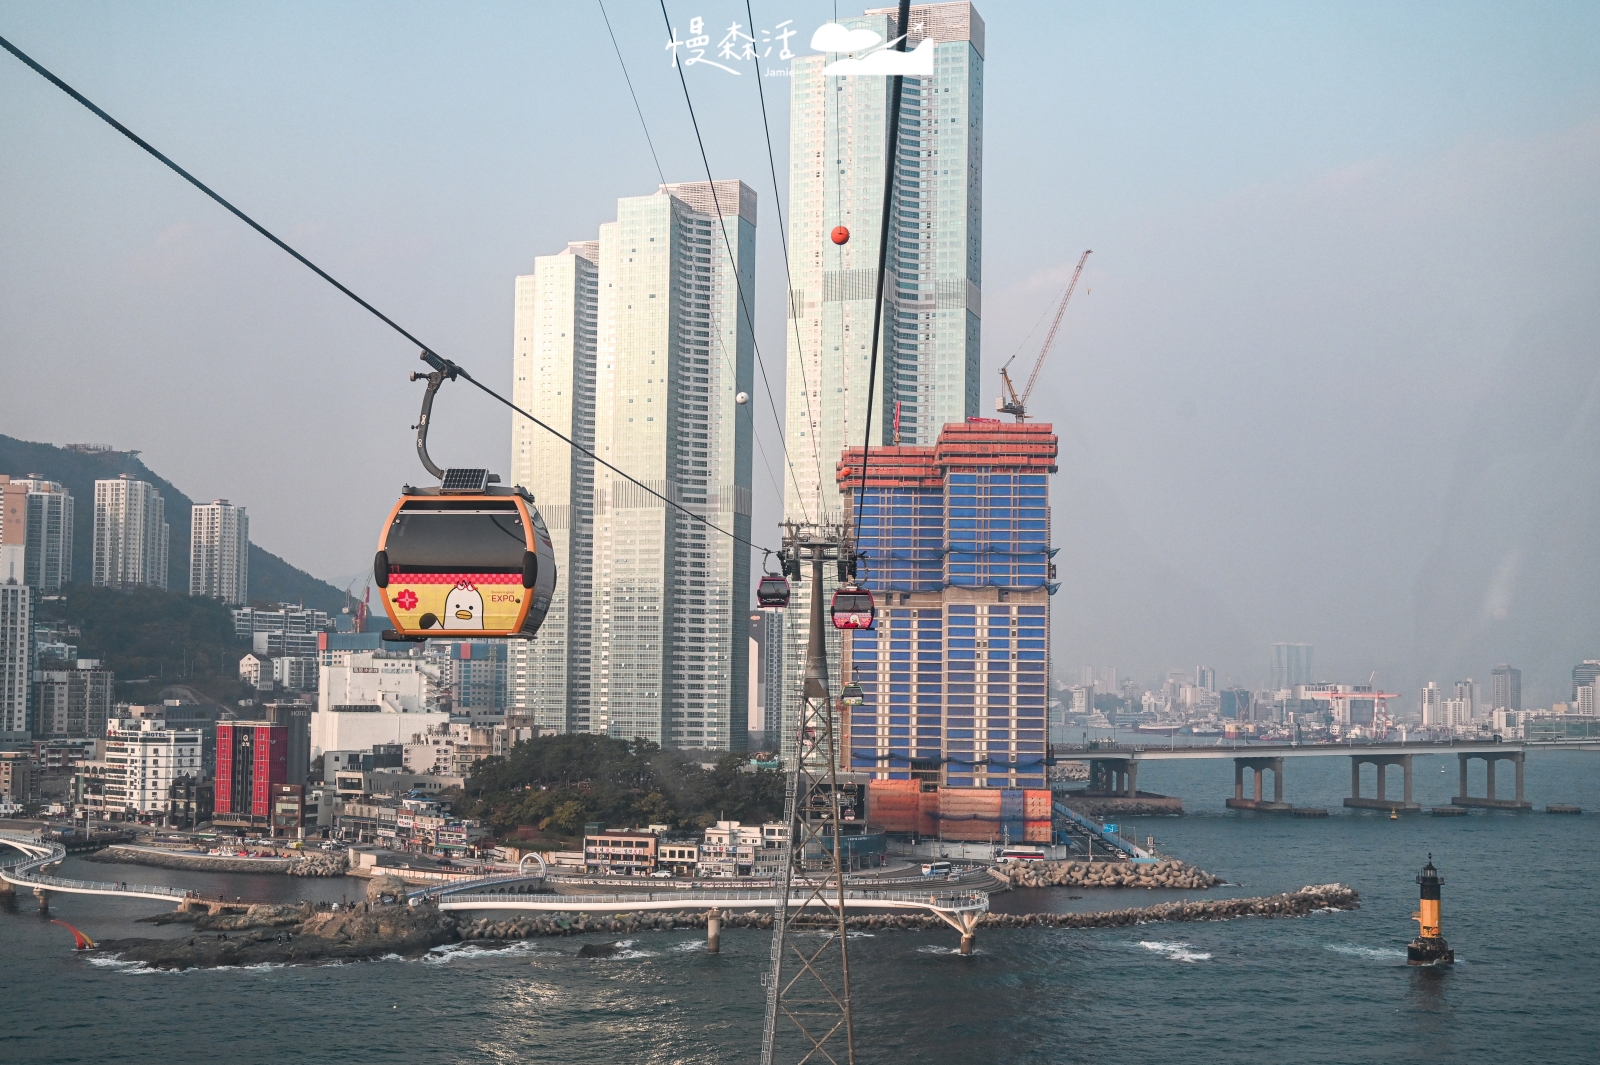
x: 1333, y: 375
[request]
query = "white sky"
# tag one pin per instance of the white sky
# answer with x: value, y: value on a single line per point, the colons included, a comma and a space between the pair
x: 1344, y: 277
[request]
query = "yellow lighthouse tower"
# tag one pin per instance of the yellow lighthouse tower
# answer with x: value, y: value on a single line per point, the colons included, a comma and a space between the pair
x: 1429, y: 948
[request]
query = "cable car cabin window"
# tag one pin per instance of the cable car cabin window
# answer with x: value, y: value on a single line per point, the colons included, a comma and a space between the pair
x: 477, y: 538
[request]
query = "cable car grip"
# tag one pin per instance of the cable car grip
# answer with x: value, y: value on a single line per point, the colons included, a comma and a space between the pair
x: 447, y: 371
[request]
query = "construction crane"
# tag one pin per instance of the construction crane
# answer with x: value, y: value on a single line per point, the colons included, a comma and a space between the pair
x: 1011, y: 403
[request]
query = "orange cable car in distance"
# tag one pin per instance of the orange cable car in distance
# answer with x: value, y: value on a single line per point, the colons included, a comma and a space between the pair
x: 466, y: 559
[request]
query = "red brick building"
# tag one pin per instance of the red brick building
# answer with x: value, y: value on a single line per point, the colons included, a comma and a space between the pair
x: 252, y: 757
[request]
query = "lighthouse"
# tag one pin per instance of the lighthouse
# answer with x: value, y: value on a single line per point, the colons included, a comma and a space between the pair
x: 1429, y: 948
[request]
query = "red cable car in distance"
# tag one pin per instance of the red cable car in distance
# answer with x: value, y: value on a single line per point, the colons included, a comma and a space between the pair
x: 772, y: 592
x: 853, y: 608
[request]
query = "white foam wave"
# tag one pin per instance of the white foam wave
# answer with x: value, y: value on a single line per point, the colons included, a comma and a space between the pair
x: 934, y: 948
x: 1175, y: 951
x: 456, y: 951
x: 113, y: 961
x: 1370, y: 953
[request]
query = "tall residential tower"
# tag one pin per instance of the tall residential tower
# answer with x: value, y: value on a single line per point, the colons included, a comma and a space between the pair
x: 660, y: 317
x: 928, y: 368
x: 43, y: 516
x: 130, y: 534
x: 219, y: 552
x: 556, y: 318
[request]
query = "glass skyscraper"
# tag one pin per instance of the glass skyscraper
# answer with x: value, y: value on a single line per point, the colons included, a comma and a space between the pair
x: 928, y: 369
x: 653, y: 640
x: 954, y: 541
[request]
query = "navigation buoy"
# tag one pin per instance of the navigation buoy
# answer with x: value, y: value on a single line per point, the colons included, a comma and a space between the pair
x: 841, y: 235
x: 1429, y: 948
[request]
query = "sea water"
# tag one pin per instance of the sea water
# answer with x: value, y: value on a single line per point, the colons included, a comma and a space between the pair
x: 1520, y: 902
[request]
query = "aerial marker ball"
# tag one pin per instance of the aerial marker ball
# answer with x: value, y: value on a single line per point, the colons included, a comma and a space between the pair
x: 841, y: 235
x: 742, y: 398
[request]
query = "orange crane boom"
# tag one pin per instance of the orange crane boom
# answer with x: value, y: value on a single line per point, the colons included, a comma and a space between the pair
x: 1011, y: 403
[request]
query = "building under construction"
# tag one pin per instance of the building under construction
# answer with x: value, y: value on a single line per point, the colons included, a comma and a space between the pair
x: 954, y: 541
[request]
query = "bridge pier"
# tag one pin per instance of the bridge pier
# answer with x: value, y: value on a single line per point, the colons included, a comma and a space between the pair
x: 44, y: 899
x: 966, y: 924
x: 1516, y: 758
x: 1258, y: 766
x: 1382, y: 762
x: 1116, y: 777
x: 714, y: 931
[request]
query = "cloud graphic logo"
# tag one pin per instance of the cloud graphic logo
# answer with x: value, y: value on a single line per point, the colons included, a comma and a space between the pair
x: 832, y: 37
x: 887, y: 62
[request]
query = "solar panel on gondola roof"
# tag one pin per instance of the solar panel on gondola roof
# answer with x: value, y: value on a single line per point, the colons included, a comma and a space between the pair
x: 462, y: 479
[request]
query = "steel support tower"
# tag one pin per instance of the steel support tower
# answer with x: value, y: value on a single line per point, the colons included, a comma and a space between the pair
x: 809, y: 979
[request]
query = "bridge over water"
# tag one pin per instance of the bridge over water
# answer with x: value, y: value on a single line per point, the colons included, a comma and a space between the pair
x: 1114, y: 768
x: 959, y: 909
x: 42, y: 854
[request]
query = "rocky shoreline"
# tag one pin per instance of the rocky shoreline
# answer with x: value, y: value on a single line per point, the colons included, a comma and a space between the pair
x: 303, y: 935
x: 1167, y: 874
x: 312, y: 864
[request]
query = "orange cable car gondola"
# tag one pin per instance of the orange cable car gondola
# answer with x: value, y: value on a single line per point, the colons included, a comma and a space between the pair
x: 466, y: 559
x: 853, y: 609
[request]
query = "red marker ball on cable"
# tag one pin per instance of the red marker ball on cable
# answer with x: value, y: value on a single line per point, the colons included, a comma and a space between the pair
x: 841, y: 235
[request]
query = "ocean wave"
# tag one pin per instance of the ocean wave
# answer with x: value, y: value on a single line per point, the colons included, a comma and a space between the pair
x: 449, y: 952
x: 1370, y: 953
x: 113, y: 961
x: 934, y: 948
x: 626, y: 951
x: 1175, y: 951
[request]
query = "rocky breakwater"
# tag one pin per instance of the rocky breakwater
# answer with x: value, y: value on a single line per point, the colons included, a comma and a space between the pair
x: 190, y: 861
x: 306, y: 935
x: 319, y: 864
x: 1307, y: 900
x: 1164, y: 874
x: 295, y: 863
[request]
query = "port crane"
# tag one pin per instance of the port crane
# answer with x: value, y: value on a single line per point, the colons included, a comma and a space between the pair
x: 1011, y: 403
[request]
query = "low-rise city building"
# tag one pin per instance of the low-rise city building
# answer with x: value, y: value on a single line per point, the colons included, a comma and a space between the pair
x: 678, y: 857
x: 190, y: 802
x: 143, y: 759
x: 616, y: 852
x: 289, y: 630
x: 72, y: 703
x: 288, y: 809
x: 734, y: 849
x: 17, y: 782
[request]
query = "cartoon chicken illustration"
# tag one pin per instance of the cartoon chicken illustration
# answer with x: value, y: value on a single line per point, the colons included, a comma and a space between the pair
x: 463, y: 608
